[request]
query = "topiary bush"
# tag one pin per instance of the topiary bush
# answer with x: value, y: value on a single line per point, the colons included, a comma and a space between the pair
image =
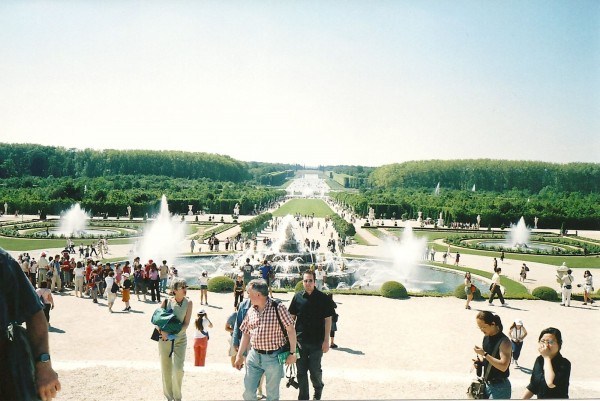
x: 459, y: 292
x: 545, y: 293
x: 393, y: 289
x: 220, y: 284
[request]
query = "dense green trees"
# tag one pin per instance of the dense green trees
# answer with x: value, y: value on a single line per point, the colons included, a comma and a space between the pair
x: 18, y: 160
x: 489, y: 175
x: 575, y: 210
x: 113, y: 194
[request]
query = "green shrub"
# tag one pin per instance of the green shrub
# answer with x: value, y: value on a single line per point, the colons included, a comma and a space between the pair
x: 299, y: 286
x: 459, y: 292
x: 220, y: 284
x: 545, y: 293
x: 393, y: 289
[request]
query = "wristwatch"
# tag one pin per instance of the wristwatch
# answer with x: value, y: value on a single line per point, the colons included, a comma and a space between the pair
x: 292, y: 353
x: 44, y: 358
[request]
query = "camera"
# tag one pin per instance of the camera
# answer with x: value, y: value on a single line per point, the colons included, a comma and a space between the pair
x: 292, y: 382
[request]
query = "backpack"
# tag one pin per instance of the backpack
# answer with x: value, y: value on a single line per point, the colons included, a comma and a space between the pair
x: 115, y: 287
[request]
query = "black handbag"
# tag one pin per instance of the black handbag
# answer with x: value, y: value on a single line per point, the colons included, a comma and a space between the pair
x: 476, y: 390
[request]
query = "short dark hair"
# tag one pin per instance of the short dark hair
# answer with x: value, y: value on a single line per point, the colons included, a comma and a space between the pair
x: 312, y: 273
x: 555, y: 332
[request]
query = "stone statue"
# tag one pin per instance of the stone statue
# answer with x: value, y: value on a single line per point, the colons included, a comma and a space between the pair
x: 129, y: 211
x: 535, y: 221
x: 478, y: 220
x: 5, y: 208
x: 236, y: 209
x: 190, y: 212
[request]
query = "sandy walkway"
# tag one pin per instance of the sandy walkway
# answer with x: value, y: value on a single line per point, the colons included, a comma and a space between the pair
x: 415, y: 348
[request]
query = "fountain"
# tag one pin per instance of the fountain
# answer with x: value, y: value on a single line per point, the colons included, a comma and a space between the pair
x: 162, y: 237
x: 437, y: 189
x: 404, y: 267
x: 73, y: 222
x: 518, y: 237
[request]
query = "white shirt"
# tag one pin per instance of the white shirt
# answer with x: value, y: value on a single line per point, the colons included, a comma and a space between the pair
x: 319, y: 274
x: 496, y: 279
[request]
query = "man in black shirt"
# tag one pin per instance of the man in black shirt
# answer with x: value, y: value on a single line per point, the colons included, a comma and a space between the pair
x: 313, y: 311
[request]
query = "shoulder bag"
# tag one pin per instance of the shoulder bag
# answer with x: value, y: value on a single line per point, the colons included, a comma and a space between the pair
x: 476, y: 390
x: 285, y: 350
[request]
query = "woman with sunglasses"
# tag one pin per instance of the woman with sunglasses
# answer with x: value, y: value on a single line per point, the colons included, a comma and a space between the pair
x: 551, y: 371
x: 172, y: 364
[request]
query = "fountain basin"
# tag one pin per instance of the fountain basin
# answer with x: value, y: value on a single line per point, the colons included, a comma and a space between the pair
x: 530, y: 247
x: 358, y: 273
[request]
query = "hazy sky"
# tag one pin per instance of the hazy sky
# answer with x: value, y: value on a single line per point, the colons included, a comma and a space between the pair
x: 310, y: 82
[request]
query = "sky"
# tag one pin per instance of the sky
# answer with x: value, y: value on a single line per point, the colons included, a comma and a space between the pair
x: 309, y: 82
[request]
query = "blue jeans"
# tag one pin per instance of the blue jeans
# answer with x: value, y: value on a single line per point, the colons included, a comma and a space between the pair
x: 310, y: 361
x: 500, y: 390
x: 256, y: 365
x: 163, y: 284
x: 516, y: 350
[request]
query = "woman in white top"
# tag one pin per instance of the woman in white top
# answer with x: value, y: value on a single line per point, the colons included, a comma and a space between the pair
x: 588, y: 287
x: 111, y: 296
x: 203, y: 281
x: 201, y: 338
x: 46, y: 297
x: 468, y: 290
x: 517, y: 334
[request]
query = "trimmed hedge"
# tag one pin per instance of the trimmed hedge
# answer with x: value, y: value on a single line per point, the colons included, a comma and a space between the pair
x: 393, y: 289
x: 220, y: 284
x: 545, y: 293
x: 299, y: 286
x: 459, y: 292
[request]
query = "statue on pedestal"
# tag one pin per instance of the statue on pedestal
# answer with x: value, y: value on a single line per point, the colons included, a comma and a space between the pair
x: 478, y: 220
x: 535, y: 221
x: 190, y: 212
x: 5, y: 208
x: 236, y: 209
x: 129, y: 211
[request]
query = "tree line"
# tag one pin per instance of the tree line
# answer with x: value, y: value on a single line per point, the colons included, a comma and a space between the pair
x: 113, y: 194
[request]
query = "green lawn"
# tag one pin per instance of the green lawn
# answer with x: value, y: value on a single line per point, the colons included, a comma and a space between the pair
x: 22, y: 244
x: 304, y: 207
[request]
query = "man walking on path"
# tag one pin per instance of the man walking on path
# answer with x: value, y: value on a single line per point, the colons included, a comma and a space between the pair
x: 313, y: 311
x: 495, y: 288
x: 262, y: 332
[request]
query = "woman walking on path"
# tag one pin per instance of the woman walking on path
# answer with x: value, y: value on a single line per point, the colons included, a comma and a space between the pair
x: 172, y: 365
x: 238, y: 290
x: 588, y: 287
x: 201, y: 338
x: 551, y: 371
x: 46, y: 296
x: 495, y: 351
x: 203, y: 280
x: 468, y: 289
x: 517, y: 333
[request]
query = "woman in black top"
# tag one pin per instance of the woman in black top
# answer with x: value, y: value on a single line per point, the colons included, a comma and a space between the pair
x: 497, y: 384
x: 551, y: 371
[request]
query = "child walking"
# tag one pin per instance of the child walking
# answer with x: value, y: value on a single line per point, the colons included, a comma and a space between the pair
x: 201, y: 338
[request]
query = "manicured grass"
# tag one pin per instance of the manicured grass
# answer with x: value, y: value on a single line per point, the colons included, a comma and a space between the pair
x: 304, y: 207
x: 21, y: 244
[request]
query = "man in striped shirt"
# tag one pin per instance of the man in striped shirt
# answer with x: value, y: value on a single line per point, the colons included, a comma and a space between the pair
x: 262, y: 332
